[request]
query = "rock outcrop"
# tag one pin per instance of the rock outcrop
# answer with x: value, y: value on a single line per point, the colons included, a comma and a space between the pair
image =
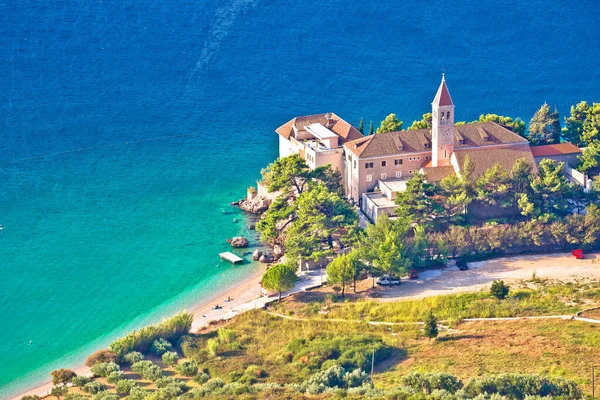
x: 257, y: 205
x: 277, y: 252
x: 266, y: 258
x: 238, y: 241
x: 257, y: 254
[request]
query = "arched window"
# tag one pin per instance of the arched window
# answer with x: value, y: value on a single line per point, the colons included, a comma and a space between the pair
x: 448, y: 115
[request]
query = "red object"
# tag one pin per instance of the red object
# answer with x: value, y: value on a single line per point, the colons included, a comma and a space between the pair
x: 413, y: 274
x: 578, y: 254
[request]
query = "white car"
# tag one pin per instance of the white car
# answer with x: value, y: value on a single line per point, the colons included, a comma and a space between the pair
x: 387, y: 280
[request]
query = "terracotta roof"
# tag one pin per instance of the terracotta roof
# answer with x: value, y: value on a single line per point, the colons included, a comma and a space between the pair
x: 484, y: 158
x: 330, y: 120
x: 555, y: 149
x: 442, y: 97
x: 470, y: 135
x: 436, y: 174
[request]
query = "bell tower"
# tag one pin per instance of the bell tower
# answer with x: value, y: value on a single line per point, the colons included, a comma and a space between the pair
x: 442, y: 126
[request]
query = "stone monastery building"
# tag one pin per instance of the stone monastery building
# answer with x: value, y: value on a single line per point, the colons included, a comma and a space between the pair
x: 376, y: 167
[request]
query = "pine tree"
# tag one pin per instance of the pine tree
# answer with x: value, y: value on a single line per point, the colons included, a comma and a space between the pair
x: 573, y: 130
x: 390, y: 124
x: 424, y: 123
x: 544, y: 127
x: 361, y: 126
x: 415, y: 204
x: 499, y: 290
x: 280, y: 277
x: 430, y: 328
x: 517, y: 125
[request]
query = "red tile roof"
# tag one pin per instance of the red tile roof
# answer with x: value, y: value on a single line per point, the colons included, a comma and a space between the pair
x: 330, y: 120
x: 554, y: 149
x: 442, y: 97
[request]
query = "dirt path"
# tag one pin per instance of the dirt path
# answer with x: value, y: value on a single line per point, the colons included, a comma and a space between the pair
x: 561, y: 267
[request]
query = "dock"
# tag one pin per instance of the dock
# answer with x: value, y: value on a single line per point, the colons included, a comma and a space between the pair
x: 232, y: 258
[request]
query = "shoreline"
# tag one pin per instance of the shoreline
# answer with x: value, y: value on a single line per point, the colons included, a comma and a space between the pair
x: 244, y: 292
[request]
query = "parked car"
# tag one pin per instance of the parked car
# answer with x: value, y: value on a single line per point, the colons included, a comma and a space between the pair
x: 578, y: 254
x: 413, y: 274
x: 462, y: 265
x: 387, y: 280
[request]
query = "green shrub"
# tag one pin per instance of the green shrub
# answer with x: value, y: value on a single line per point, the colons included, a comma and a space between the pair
x: 170, y: 358
x: 160, y: 346
x: 430, y: 328
x: 31, y: 397
x: 148, y: 370
x: 187, y: 368
x: 212, y: 345
x: 133, y: 357
x: 170, y: 330
x: 518, y: 386
x: 105, y: 369
x: 201, y: 378
x: 255, y: 371
x: 226, y: 335
x: 94, y: 387
x: 124, y: 386
x: 499, y: 290
x: 115, y: 377
x: 74, y: 396
x: 429, y: 382
x: 106, y: 395
x: 80, y: 380
x: 137, y: 393
x: 101, y: 356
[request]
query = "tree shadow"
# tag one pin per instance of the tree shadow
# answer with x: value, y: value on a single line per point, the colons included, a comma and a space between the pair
x: 454, y: 338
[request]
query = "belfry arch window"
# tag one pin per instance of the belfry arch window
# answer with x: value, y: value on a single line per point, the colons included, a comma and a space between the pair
x: 448, y: 115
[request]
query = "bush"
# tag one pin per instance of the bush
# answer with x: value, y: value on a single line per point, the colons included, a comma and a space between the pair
x: 74, y: 396
x: 499, y: 290
x: 160, y: 346
x: 356, y: 378
x: 170, y: 358
x: 105, y: 369
x: 430, y: 382
x: 62, y: 376
x: 124, y: 386
x: 133, y: 357
x: 31, y: 397
x: 170, y: 330
x: 106, y: 395
x: 212, y: 345
x: 94, y: 387
x: 518, y: 386
x: 430, y: 328
x: 148, y: 370
x: 80, y: 381
x: 254, y: 371
x: 115, y: 377
x: 187, y: 368
x: 201, y: 378
x: 226, y: 335
x: 137, y: 393
x: 101, y: 356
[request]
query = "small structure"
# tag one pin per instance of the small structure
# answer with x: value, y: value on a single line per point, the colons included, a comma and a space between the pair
x: 232, y: 258
x: 562, y: 152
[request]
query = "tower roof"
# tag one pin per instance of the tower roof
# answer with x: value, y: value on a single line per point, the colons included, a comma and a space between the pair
x: 442, y: 97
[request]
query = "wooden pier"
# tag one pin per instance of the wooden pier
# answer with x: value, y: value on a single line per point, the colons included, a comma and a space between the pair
x: 232, y: 258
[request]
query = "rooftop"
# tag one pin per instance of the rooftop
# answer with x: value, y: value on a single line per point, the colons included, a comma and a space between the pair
x: 320, y: 132
x: 476, y: 134
x: 555, y: 149
x: 442, y: 97
x: 484, y: 158
x: 330, y: 121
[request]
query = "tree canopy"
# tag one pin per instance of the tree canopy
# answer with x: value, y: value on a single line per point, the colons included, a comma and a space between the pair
x: 287, y: 174
x: 383, y: 245
x: 280, y: 277
x: 344, y: 269
x: 423, y: 123
x: 544, y: 127
x: 517, y: 125
x: 390, y: 124
x: 415, y: 203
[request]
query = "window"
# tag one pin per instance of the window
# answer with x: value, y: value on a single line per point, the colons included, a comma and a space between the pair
x: 383, y: 176
x: 427, y: 157
x: 349, y: 158
x: 445, y: 154
x: 398, y: 162
x: 448, y: 115
x: 369, y: 178
x: 398, y: 174
x: 418, y: 158
x: 369, y: 165
x: 355, y: 164
x: 383, y: 163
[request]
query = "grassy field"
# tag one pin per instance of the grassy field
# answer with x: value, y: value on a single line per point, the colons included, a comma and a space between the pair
x: 257, y: 348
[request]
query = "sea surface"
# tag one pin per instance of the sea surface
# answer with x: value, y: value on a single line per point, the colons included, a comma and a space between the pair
x: 126, y: 128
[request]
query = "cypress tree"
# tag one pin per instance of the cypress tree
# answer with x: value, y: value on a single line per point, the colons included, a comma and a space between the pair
x: 361, y: 126
x: 430, y: 328
x: 371, y: 128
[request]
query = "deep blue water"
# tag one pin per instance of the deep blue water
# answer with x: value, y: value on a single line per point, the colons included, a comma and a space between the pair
x: 103, y: 228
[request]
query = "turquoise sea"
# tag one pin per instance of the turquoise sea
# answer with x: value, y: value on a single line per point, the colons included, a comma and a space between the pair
x: 126, y: 128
